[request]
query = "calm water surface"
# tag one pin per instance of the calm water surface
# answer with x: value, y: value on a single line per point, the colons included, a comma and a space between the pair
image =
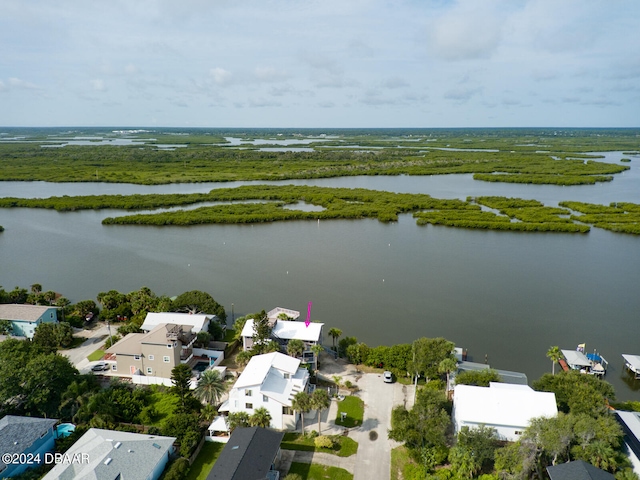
x: 507, y: 295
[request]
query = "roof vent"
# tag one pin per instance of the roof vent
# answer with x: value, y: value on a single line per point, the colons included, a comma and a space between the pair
x: 130, y: 451
x: 157, y: 446
x: 117, y: 445
x: 108, y: 461
x: 235, y: 447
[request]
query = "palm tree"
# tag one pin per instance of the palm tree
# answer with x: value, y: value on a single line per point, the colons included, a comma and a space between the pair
x: 317, y: 349
x: 447, y: 366
x: 210, y: 387
x: 554, y: 354
x: 301, y: 403
x: 260, y: 418
x: 319, y: 401
x: 237, y: 419
x: 243, y: 358
x: 335, y: 333
x: 295, y: 347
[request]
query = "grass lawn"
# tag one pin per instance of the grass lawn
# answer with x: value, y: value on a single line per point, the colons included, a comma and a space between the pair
x: 97, y: 355
x: 399, y: 460
x: 354, y: 408
x: 319, y: 472
x: 295, y: 441
x: 164, y: 403
x: 205, y: 460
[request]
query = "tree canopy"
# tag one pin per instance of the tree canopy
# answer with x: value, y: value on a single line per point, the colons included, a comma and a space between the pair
x: 195, y: 301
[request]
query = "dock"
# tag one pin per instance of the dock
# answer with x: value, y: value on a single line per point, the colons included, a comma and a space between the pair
x: 632, y: 363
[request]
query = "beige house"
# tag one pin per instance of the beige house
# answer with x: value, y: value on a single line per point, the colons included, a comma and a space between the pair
x: 155, y: 353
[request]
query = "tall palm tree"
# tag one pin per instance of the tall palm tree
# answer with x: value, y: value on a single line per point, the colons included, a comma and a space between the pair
x: 319, y: 401
x: 334, y: 333
x: 554, y: 354
x: 295, y: 347
x: 210, y: 387
x: 301, y: 403
x: 447, y: 366
x: 260, y: 418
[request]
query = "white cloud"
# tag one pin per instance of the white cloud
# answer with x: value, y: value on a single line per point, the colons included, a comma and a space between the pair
x: 21, y: 84
x: 98, y: 85
x: 461, y: 94
x: 221, y: 76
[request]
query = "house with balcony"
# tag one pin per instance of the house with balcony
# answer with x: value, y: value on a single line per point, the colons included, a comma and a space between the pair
x: 25, y: 435
x: 153, y: 354
x: 285, y: 330
x: 196, y: 322
x: 270, y: 381
x: 26, y: 318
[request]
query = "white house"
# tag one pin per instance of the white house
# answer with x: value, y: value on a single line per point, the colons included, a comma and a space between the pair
x: 284, y: 330
x: 197, y: 322
x: 506, y: 407
x: 270, y: 381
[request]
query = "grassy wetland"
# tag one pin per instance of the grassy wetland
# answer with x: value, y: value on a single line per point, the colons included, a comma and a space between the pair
x: 514, y: 156
x: 147, y: 157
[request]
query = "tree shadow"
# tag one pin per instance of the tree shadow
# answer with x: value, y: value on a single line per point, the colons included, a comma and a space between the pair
x: 370, y: 424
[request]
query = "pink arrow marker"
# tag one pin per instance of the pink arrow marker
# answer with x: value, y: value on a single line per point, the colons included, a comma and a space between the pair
x: 308, y: 320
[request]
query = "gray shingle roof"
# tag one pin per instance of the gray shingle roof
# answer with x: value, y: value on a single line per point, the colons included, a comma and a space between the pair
x: 577, y: 470
x: 133, y: 456
x: 18, y: 433
x: 248, y: 455
x: 27, y: 313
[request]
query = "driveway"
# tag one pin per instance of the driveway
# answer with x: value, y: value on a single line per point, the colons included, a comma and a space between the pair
x: 78, y: 355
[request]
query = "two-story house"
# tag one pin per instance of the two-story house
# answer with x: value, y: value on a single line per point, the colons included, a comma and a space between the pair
x: 25, y: 318
x: 155, y: 353
x: 270, y: 381
x: 196, y: 323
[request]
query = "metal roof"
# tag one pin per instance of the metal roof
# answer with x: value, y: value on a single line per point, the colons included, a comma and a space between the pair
x: 633, y: 360
x: 576, y: 358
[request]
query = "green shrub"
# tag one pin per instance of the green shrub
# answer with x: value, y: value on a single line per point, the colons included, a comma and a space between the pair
x: 323, y: 441
x: 178, y: 470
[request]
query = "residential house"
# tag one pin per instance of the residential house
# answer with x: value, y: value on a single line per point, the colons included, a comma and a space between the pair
x: 630, y: 423
x: 283, y: 331
x: 270, y: 381
x: 250, y: 453
x: 577, y: 470
x: 506, y: 407
x: 112, y: 455
x: 25, y: 435
x: 25, y: 318
x: 197, y: 322
x: 155, y: 353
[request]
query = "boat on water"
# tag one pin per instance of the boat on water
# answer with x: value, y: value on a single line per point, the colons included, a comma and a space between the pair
x: 590, y: 363
x: 632, y: 362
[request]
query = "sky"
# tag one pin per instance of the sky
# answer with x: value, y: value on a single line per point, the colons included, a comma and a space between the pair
x: 320, y: 63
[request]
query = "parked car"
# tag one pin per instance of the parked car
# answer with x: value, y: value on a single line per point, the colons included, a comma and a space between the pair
x: 100, y: 367
x: 388, y: 377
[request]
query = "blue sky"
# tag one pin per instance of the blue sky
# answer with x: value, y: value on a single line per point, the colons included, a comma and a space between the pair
x: 320, y: 63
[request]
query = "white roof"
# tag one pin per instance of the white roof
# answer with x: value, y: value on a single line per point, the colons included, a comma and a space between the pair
x: 633, y: 360
x: 288, y: 330
x: 259, y: 366
x: 110, y: 453
x: 632, y: 420
x: 273, y: 314
x: 502, y: 404
x: 219, y: 424
x: 195, y: 321
x: 576, y: 358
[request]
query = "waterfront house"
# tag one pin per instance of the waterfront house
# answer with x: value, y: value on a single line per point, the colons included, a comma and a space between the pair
x: 197, y: 322
x: 577, y: 470
x: 25, y: 435
x: 25, y: 318
x: 111, y: 455
x: 285, y: 330
x: 250, y: 453
x: 154, y: 353
x: 270, y: 381
x: 507, y: 408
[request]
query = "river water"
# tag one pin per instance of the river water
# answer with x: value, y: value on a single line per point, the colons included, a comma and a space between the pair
x: 506, y: 295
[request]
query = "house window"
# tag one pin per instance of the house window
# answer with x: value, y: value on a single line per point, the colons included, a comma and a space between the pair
x: 247, y: 393
x: 287, y: 375
x: 150, y: 357
x: 518, y: 432
x: 287, y: 411
x: 165, y: 359
x: 169, y: 345
x: 136, y: 357
x: 149, y: 370
x: 248, y: 406
x: 265, y: 399
x: 114, y: 367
